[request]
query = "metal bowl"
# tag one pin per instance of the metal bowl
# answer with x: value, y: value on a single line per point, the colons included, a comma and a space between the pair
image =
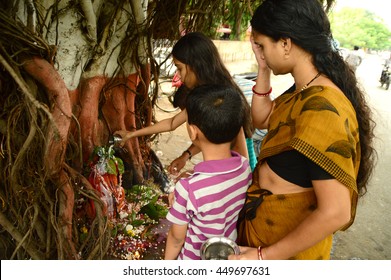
x: 218, y: 248
x: 115, y: 139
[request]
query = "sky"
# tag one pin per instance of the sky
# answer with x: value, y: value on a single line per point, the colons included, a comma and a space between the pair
x: 376, y: 6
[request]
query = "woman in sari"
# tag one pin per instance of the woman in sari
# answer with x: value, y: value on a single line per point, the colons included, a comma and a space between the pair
x: 318, y: 155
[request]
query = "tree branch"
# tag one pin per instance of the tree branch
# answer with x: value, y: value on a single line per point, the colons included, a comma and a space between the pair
x: 88, y: 10
x: 31, y: 250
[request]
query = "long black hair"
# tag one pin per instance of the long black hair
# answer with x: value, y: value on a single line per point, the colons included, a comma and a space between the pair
x: 307, y: 25
x: 198, y: 52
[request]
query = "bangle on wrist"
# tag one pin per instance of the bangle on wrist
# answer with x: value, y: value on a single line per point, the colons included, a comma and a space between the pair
x: 189, y: 153
x: 260, y: 257
x: 262, y: 94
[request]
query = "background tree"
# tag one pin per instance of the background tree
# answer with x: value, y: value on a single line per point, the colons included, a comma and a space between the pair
x: 359, y: 27
x: 72, y: 73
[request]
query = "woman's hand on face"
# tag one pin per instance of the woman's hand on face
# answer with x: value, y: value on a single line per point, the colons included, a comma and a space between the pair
x: 258, y: 55
x: 246, y: 253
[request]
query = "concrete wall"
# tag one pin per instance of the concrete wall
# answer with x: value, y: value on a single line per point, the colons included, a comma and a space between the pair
x: 231, y: 51
x: 237, y: 56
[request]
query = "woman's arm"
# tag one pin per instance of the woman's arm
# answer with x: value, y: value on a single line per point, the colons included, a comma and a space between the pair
x: 332, y: 213
x: 159, y: 127
x: 175, y: 240
x: 261, y: 106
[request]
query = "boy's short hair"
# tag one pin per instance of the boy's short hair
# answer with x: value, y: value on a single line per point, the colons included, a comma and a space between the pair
x: 217, y: 110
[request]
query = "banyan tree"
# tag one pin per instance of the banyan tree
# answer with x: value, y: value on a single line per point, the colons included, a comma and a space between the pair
x: 72, y: 72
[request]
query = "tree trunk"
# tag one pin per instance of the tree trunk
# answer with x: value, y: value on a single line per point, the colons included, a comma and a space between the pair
x: 94, y: 82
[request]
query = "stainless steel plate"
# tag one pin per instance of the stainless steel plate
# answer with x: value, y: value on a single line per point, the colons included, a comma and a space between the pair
x: 218, y: 248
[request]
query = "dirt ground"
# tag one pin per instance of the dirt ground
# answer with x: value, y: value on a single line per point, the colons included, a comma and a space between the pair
x: 369, y: 237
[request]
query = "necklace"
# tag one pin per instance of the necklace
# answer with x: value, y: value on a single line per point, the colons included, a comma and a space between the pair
x: 313, y: 79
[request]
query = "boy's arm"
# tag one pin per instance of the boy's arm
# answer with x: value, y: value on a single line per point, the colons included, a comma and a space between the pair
x: 177, y: 164
x: 175, y: 239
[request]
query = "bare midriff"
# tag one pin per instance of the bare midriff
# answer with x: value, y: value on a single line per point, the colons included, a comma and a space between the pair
x: 269, y: 180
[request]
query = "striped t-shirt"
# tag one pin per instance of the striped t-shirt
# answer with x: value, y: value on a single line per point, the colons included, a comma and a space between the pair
x: 209, y: 201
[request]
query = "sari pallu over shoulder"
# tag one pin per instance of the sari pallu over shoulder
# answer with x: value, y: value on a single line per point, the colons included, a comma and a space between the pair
x: 319, y: 122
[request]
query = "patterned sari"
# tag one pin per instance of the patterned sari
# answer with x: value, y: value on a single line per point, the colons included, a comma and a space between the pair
x: 320, y: 123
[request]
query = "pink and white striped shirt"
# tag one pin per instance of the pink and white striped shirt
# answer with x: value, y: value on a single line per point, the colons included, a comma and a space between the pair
x: 209, y: 201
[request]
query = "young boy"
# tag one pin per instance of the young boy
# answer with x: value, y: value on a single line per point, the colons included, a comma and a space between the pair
x: 208, y: 202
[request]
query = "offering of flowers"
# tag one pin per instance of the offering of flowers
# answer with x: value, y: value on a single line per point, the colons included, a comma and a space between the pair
x: 137, y: 231
x: 133, y: 214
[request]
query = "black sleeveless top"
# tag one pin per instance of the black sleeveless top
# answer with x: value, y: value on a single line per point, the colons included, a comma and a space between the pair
x: 296, y: 168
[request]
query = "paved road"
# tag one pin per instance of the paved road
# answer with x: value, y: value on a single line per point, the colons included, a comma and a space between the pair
x: 369, y: 238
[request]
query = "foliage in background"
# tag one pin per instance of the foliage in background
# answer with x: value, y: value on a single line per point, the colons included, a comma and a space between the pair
x: 208, y: 15
x: 359, y: 27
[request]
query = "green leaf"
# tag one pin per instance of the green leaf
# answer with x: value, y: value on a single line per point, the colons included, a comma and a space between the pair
x: 120, y: 165
x: 111, y: 167
x: 150, y: 210
x: 137, y: 223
